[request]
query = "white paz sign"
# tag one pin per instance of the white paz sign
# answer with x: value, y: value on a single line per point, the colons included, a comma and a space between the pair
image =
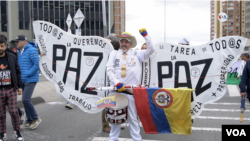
x: 73, y: 63
x: 202, y: 68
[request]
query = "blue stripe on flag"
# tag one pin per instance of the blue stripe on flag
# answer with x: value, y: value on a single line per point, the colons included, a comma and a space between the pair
x: 158, y: 114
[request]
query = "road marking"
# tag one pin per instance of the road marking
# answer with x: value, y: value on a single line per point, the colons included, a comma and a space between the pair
x: 223, y: 110
x: 226, y: 104
x: 221, y: 118
x: 56, y: 103
x: 120, y: 139
x: 206, y: 129
x: 193, y: 128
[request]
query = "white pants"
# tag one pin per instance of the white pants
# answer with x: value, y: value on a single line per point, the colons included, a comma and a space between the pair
x: 134, y: 126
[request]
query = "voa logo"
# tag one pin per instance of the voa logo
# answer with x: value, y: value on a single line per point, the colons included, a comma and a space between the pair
x: 236, y: 132
x: 222, y: 17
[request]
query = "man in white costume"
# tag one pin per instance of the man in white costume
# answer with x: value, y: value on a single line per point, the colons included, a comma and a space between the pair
x: 124, y: 68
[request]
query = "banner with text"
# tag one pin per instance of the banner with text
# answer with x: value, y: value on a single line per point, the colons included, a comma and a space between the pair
x: 202, y: 68
x: 73, y: 63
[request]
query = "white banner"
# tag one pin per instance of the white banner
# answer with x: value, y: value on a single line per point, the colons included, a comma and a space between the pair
x: 73, y: 63
x: 202, y: 68
x: 76, y: 62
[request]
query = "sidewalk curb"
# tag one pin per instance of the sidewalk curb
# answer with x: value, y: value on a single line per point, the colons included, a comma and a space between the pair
x: 34, y: 100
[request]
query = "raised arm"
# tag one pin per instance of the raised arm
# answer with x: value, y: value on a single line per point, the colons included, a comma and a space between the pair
x: 144, y: 54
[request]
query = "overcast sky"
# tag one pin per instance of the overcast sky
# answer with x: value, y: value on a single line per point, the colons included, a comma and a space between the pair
x: 184, y: 19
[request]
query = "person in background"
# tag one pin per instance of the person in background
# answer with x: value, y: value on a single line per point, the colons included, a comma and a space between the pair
x: 21, y: 113
x: 10, y: 86
x: 28, y: 60
x: 245, y: 57
x: 105, y: 125
x: 245, y: 78
x: 184, y: 41
x: 144, y: 46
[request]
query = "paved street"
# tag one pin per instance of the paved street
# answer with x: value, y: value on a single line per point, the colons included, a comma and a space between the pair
x: 61, y: 124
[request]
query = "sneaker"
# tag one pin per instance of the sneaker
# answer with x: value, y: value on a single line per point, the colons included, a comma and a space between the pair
x: 25, y: 125
x: 3, y: 137
x: 21, y: 118
x: 18, y: 136
x: 35, y: 123
x: 69, y: 106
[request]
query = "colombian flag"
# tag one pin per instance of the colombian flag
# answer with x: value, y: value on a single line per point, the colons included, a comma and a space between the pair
x: 107, y: 102
x: 165, y: 110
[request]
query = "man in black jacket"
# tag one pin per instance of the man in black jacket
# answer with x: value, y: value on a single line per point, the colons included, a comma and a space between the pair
x: 10, y: 81
x: 20, y: 112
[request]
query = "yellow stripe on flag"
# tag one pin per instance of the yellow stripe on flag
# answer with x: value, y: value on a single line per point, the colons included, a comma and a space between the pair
x: 178, y: 114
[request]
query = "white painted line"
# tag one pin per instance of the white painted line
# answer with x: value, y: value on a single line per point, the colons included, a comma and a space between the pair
x: 206, y: 129
x: 223, y: 110
x: 120, y: 139
x: 226, y: 104
x: 221, y: 118
x: 56, y: 103
x: 193, y: 128
x: 233, y: 90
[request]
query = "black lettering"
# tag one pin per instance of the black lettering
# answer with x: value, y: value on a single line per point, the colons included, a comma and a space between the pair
x: 100, y: 43
x: 199, y: 89
x: 231, y: 56
x: 77, y: 69
x: 41, y: 26
x: 75, y: 41
x: 177, y: 84
x: 83, y: 42
x: 87, y: 40
x: 59, y: 36
x: 238, y: 43
x: 187, y: 51
x: 217, y: 45
x: 212, y: 46
x: 224, y: 44
x: 50, y: 29
x: 176, y: 50
x: 100, y: 57
x: 182, y: 51
x: 172, y: 47
x: 96, y: 41
x: 162, y: 76
x: 104, y: 44
x: 193, y: 52
x: 79, y: 41
x: 57, y: 58
x: 91, y: 40
x: 45, y: 27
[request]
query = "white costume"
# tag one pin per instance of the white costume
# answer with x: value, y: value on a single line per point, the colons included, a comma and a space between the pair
x: 133, y: 76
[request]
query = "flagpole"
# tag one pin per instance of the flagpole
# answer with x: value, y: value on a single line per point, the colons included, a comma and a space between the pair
x: 164, y: 20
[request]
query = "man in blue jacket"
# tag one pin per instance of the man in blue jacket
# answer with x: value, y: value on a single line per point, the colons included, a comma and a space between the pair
x: 28, y: 60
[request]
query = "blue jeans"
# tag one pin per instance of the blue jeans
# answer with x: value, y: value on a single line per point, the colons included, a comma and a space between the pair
x: 28, y: 89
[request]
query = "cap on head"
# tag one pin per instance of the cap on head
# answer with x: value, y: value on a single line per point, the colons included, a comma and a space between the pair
x: 20, y: 38
x: 127, y: 36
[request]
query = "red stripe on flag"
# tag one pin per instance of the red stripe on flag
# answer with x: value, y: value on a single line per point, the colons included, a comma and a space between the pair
x: 143, y: 110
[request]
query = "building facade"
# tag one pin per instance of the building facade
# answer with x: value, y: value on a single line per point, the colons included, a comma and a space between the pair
x: 247, y: 23
x: 233, y: 25
x: 17, y: 16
